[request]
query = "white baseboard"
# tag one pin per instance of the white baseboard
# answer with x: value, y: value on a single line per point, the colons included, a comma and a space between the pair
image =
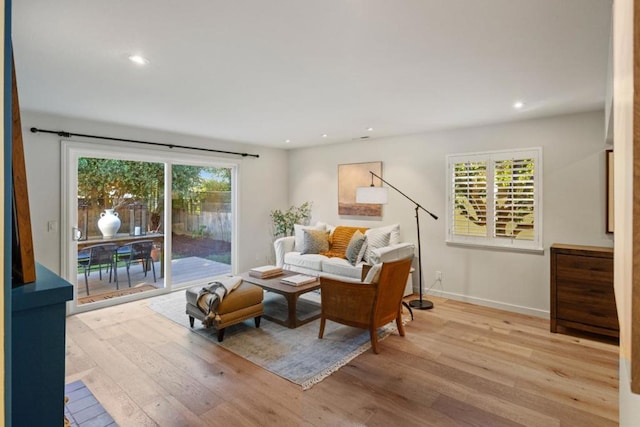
x: 493, y: 304
x: 629, y: 401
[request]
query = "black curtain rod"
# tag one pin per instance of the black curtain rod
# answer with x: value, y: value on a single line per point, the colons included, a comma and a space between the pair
x: 64, y: 134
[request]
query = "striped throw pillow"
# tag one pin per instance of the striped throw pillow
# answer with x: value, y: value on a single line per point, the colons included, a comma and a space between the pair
x: 380, y: 237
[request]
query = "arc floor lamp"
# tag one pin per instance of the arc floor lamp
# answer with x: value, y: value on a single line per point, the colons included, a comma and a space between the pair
x: 379, y: 195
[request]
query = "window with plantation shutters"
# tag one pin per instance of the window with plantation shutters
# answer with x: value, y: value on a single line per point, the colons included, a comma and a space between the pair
x: 494, y: 199
x: 470, y: 198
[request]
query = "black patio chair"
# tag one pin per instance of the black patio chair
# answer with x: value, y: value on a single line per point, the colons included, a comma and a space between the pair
x: 97, y: 256
x: 137, y: 251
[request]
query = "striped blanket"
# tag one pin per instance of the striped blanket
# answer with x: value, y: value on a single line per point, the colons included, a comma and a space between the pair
x: 212, y: 294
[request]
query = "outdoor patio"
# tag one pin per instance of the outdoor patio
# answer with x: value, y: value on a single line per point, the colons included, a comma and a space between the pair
x: 184, y: 270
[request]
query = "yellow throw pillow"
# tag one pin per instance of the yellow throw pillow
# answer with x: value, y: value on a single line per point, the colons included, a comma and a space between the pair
x: 340, y: 241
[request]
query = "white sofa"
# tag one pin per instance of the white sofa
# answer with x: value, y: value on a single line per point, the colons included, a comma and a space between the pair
x: 290, y: 258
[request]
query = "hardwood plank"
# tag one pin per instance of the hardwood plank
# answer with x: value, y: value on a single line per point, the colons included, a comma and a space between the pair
x: 503, y: 366
x: 119, y: 315
x: 462, y: 386
x: 168, y: 411
x: 175, y: 380
x: 228, y: 414
x: 458, y: 364
x: 554, y: 375
x: 469, y: 415
x: 122, y: 371
x: 76, y: 359
x: 116, y: 400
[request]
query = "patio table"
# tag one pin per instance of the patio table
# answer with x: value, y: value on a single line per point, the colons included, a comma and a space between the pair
x: 123, y: 238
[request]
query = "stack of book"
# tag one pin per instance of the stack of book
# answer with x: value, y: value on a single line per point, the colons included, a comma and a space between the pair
x: 298, y: 279
x: 265, y: 272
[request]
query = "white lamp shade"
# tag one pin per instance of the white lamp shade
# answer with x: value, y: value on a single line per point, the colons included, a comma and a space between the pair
x: 372, y: 195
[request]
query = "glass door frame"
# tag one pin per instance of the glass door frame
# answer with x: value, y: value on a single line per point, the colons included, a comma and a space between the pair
x: 71, y: 151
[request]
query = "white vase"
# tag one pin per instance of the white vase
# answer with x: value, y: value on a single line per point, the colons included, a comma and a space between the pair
x: 109, y: 223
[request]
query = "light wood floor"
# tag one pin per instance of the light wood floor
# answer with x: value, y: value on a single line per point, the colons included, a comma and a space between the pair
x: 458, y: 364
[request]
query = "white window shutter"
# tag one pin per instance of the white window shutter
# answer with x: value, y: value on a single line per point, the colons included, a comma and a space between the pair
x: 494, y: 199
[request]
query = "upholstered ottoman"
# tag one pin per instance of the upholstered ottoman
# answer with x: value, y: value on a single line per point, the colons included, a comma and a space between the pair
x: 245, y: 302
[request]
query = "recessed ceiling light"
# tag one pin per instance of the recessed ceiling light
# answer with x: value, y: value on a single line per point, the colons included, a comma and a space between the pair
x: 286, y: 141
x: 518, y: 105
x: 324, y: 135
x: 140, y: 60
x: 369, y: 129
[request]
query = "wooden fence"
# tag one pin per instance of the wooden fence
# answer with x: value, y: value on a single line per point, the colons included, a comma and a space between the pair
x: 209, y: 216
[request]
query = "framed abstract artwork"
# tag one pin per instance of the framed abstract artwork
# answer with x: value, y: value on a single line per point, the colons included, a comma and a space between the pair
x: 352, y: 176
x: 609, y: 191
x: 23, y: 265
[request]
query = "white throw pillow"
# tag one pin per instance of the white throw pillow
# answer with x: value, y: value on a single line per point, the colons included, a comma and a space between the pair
x: 394, y: 237
x: 328, y: 227
x: 380, y: 237
x: 299, y: 234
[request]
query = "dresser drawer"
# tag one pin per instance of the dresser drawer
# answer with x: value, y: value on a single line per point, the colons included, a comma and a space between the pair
x: 587, y: 304
x: 582, y: 295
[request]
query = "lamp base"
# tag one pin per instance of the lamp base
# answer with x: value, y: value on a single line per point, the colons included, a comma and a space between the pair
x: 421, y: 304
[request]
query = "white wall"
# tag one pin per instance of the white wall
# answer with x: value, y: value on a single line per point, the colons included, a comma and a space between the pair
x: 262, y: 183
x: 574, y: 200
x: 574, y: 181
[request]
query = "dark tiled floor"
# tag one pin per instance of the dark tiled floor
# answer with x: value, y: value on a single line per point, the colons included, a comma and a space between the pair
x: 83, y: 410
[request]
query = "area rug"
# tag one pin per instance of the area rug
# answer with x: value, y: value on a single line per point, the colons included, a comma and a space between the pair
x: 115, y: 294
x: 294, y: 354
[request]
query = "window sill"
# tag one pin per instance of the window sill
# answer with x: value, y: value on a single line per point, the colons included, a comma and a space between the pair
x: 536, y: 250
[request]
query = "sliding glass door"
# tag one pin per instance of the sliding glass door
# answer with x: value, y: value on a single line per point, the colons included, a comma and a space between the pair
x: 120, y: 229
x: 201, y: 223
x: 141, y: 223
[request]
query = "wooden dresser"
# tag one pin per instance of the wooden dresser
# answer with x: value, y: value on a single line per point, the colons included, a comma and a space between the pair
x: 582, y: 295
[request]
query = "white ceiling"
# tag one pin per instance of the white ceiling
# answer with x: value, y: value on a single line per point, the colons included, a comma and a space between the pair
x: 265, y: 71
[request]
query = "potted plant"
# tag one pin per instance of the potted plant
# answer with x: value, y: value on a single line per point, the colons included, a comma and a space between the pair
x: 283, y: 221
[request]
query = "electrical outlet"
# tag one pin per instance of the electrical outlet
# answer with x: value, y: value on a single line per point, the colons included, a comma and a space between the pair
x: 439, y: 275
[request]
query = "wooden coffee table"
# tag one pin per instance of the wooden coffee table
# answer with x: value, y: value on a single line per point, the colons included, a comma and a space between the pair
x: 291, y: 294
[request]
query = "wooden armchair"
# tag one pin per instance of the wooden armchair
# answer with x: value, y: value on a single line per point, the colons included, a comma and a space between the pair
x: 366, y: 305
